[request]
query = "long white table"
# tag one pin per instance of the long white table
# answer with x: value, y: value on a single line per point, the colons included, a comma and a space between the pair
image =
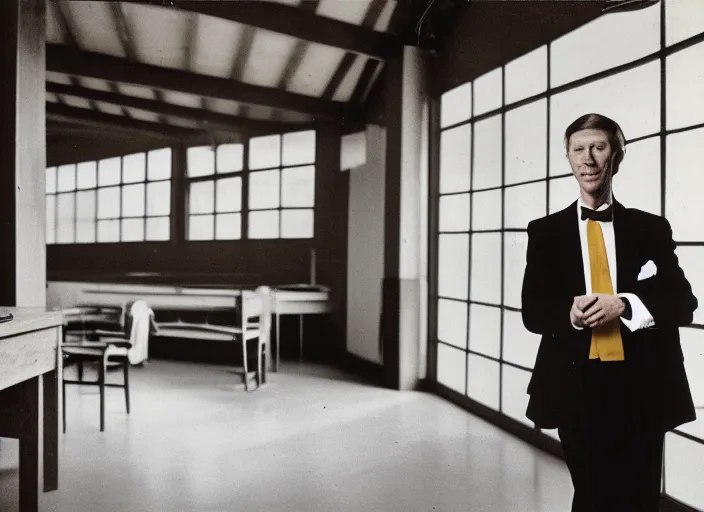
x: 298, y: 300
x: 30, y: 355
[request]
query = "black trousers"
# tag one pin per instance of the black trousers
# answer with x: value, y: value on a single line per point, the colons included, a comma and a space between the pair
x: 613, y: 448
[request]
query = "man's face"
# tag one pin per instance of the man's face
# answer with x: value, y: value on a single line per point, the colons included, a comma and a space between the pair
x: 589, y: 154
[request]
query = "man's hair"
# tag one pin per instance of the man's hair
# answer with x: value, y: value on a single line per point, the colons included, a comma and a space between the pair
x: 617, y: 141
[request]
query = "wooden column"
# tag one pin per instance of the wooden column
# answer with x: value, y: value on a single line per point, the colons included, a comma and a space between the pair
x: 403, y: 290
x: 22, y: 153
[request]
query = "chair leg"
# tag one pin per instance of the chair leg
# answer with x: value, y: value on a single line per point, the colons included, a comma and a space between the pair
x: 265, y: 362
x: 259, y: 363
x: 80, y: 369
x: 63, y: 402
x: 126, y: 370
x: 101, y: 380
x: 244, y: 357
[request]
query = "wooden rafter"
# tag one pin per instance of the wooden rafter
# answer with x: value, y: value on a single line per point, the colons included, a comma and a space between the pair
x: 62, y: 59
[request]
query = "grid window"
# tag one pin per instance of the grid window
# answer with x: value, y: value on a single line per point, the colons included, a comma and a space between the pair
x: 111, y: 200
x: 281, y: 186
x: 215, y: 192
x: 596, y: 70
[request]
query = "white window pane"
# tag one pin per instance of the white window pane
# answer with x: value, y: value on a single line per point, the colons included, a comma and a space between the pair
x: 298, y: 148
x: 264, y: 152
x: 109, y: 171
x: 526, y: 143
x: 452, y: 322
x: 229, y: 158
x: 601, y: 44
x: 692, y: 262
x: 296, y: 223
x: 563, y: 192
x: 298, y: 186
x: 108, y: 231
x: 637, y: 184
x: 66, y: 178
x: 134, y: 168
x: 264, y: 190
x: 159, y: 164
x: 228, y: 226
x: 483, y: 381
x: 65, y: 232
x: 487, y: 153
x: 133, y: 201
x: 523, y: 204
x: 456, y: 105
x: 50, y: 219
x: 486, y: 210
x: 159, y: 198
x: 527, y: 75
x: 201, y: 227
x: 453, y: 266
x: 520, y: 345
x: 132, y: 230
x: 109, y: 203
x: 228, y: 195
x: 201, y: 197
x: 631, y: 98
x: 158, y: 228
x: 692, y: 340
x: 515, y: 248
x: 454, y: 213
x: 455, y: 151
x: 264, y: 224
x: 85, y: 205
x: 487, y: 92
x: 684, y: 184
x: 85, y: 231
x: 485, y: 330
x: 200, y: 161
x: 66, y: 207
x: 87, y: 175
x: 451, y: 368
x: 51, y: 180
x: 485, y: 284
x: 685, y: 82
x: 514, y: 399
x: 684, y: 470
x: 684, y: 19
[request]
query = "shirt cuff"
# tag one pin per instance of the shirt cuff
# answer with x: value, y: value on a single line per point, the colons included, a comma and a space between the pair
x: 641, y: 317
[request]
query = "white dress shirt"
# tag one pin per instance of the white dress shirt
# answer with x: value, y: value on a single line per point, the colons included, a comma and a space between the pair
x: 641, y: 317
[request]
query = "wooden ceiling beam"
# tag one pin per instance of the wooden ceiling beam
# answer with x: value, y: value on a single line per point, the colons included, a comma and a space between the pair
x: 296, y: 22
x: 209, y: 119
x: 57, y: 112
x: 62, y: 59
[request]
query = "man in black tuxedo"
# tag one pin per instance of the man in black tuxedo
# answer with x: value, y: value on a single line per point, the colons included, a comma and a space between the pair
x: 603, y: 287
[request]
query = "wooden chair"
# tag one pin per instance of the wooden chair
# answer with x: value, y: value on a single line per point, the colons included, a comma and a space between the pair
x: 104, y: 348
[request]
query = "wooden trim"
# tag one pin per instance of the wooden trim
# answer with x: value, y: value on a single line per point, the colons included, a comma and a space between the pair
x: 208, y: 118
x: 62, y: 59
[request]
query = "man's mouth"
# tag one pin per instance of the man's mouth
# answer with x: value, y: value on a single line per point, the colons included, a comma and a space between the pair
x: 591, y: 176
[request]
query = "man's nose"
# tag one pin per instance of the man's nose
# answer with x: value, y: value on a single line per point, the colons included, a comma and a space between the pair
x: 589, y: 157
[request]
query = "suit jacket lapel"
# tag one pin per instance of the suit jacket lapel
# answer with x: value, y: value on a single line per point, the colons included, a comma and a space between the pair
x: 573, y: 250
x: 624, y: 246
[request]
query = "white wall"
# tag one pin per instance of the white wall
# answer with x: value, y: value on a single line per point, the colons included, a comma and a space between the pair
x: 365, y: 262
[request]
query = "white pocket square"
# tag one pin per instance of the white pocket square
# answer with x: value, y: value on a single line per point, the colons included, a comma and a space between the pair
x: 647, y: 270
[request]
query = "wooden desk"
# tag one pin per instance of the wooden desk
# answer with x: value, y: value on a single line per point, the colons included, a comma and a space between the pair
x: 29, y: 353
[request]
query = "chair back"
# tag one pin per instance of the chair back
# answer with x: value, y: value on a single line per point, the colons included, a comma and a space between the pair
x: 140, y: 322
x: 256, y: 310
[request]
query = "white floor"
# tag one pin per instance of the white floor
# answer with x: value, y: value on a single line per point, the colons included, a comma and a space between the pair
x: 312, y: 439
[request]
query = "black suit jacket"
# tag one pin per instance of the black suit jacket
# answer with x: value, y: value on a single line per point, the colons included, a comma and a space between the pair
x: 554, y: 275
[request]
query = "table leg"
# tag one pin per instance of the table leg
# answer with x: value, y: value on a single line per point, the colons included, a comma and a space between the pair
x: 29, y: 448
x: 278, y: 328
x: 50, y: 383
x: 300, y: 337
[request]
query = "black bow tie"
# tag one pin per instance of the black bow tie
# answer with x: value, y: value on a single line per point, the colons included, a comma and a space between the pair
x: 599, y: 215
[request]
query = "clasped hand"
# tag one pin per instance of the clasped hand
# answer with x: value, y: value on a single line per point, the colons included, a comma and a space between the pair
x: 595, y: 310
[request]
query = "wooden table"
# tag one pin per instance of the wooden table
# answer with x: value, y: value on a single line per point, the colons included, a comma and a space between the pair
x: 29, y: 354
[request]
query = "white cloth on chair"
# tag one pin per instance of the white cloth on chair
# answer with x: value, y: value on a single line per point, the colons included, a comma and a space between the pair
x: 139, y: 334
